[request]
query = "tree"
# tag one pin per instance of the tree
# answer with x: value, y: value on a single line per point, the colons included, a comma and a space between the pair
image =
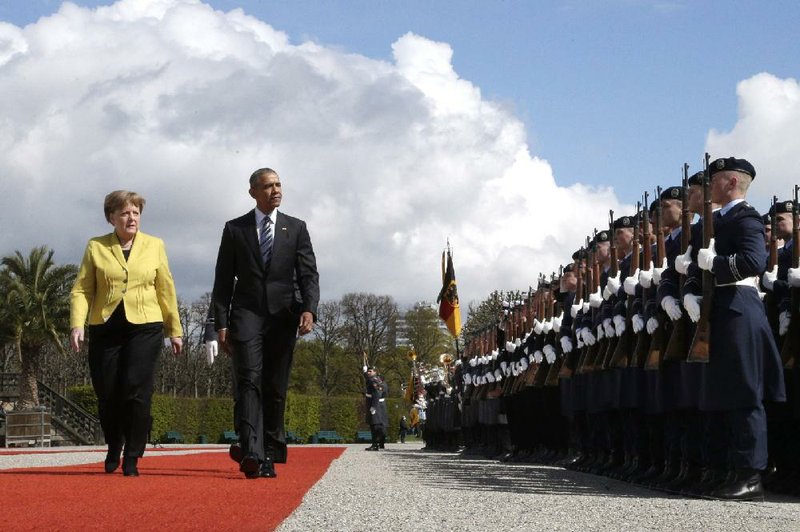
x: 326, y: 351
x: 35, y: 294
x: 423, y: 332
x: 369, y: 322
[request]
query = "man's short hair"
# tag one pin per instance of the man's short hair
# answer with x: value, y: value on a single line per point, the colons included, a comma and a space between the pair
x: 255, y: 176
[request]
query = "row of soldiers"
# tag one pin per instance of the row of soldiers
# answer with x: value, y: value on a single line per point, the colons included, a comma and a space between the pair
x: 663, y: 353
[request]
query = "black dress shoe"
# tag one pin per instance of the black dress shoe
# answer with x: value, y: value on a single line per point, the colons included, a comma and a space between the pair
x: 267, y: 469
x: 372, y: 448
x: 129, y: 468
x: 236, y: 453
x: 249, y: 464
x: 745, y: 486
x: 112, y: 460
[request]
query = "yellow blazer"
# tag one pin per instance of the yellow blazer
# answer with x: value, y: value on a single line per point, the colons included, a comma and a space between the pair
x: 143, y: 283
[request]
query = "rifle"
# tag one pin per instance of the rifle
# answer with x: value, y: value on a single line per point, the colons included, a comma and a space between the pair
x: 637, y: 355
x: 612, y: 343
x: 619, y: 356
x: 659, y: 337
x: 676, y: 346
x: 642, y: 346
x: 571, y: 359
x: 546, y: 368
x: 700, y: 348
x: 555, y: 367
x: 770, y: 302
x: 792, y: 341
x: 594, y: 278
x: 588, y: 289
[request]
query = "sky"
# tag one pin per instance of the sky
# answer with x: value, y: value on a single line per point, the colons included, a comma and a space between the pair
x: 509, y: 128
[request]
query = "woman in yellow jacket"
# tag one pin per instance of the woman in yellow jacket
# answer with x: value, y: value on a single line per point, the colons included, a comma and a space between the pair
x: 125, y: 291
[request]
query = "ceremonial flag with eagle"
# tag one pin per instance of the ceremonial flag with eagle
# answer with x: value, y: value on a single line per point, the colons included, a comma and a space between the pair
x: 448, y: 297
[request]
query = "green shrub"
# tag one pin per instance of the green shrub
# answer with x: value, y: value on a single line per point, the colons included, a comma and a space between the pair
x: 342, y: 415
x: 84, y: 397
x: 302, y: 415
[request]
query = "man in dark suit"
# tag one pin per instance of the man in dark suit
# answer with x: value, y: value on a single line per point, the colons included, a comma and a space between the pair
x: 266, y: 292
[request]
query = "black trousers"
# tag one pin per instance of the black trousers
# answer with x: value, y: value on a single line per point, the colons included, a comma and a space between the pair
x: 122, y: 363
x: 262, y: 365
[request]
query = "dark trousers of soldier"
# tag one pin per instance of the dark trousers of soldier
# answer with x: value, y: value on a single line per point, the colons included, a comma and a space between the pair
x: 122, y: 363
x: 739, y: 437
x: 378, y: 431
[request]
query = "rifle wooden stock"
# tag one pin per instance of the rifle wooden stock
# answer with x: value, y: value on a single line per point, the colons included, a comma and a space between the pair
x: 678, y: 343
x: 658, y: 339
x: 700, y: 348
x: 792, y: 341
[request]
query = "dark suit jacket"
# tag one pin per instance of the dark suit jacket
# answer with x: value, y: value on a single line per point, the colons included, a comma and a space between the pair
x: 246, y: 293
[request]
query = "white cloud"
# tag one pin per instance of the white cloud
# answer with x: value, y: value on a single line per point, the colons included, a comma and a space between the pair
x: 767, y: 133
x: 384, y: 160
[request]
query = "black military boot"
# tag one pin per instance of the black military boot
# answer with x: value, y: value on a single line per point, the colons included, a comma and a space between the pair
x: 745, y: 486
x: 672, y: 468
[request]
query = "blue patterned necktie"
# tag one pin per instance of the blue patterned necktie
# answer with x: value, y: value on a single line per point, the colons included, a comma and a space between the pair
x: 265, y: 239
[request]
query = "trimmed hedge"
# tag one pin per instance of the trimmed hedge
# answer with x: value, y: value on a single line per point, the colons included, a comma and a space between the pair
x: 305, y: 415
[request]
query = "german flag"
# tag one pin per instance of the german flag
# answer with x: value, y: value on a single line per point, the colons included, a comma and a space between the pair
x: 448, y: 297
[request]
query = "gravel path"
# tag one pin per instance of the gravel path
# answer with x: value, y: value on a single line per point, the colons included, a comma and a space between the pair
x: 406, y: 488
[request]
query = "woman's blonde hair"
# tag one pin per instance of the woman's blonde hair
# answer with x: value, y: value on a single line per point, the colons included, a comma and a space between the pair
x: 118, y: 199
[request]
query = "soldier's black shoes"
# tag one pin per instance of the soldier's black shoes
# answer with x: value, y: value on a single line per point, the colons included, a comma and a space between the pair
x: 745, y: 486
x: 373, y: 448
x: 249, y: 465
x: 236, y: 453
x: 267, y: 469
x: 129, y: 468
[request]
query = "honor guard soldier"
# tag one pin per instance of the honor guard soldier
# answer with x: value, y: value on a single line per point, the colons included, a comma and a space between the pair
x: 743, y: 367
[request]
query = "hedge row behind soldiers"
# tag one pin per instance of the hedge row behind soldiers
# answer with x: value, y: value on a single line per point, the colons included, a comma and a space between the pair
x: 601, y: 351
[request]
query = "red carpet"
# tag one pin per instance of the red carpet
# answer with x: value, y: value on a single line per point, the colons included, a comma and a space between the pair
x: 187, y: 492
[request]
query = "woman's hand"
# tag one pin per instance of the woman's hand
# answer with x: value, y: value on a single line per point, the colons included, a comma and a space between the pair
x: 76, y: 338
x: 177, y: 344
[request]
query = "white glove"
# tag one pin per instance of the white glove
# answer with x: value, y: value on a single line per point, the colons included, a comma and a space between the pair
x: 682, y: 262
x: 609, y: 328
x: 538, y: 357
x: 671, y: 307
x: 504, y: 366
x: 783, y: 322
x: 212, y: 350
x: 566, y: 344
x: 498, y: 375
x: 588, y: 337
x: 637, y: 324
x: 652, y: 325
x: 579, y: 337
x: 630, y: 283
x: 600, y: 333
x: 510, y: 347
x: 691, y: 303
x: 573, y: 309
x: 794, y: 277
x: 657, y: 272
x: 646, y: 277
x: 549, y: 353
x: 595, y: 299
x: 619, y: 325
x: 557, y: 322
x: 613, y: 284
x: 769, y: 278
x: 523, y: 364
x: 489, y: 377
x: 548, y: 326
x: 537, y: 326
x: 364, y: 368
x: 586, y: 307
x: 705, y: 257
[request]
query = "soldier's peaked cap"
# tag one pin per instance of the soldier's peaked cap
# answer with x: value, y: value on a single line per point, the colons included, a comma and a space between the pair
x: 697, y: 179
x: 671, y: 193
x: 732, y: 164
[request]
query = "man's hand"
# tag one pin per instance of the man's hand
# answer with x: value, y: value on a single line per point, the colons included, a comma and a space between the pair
x: 595, y: 298
x: 705, y: 257
x: 671, y: 307
x: 630, y: 283
x: 657, y: 272
x: 652, y: 325
x: 212, y: 350
x: 769, y: 277
x: 222, y: 337
x: 682, y: 262
x: 637, y: 324
x: 613, y: 284
x: 306, y: 323
x: 646, y: 276
x: 691, y: 303
x: 619, y: 325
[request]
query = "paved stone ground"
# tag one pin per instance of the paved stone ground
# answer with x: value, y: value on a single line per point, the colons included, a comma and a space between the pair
x: 405, y: 488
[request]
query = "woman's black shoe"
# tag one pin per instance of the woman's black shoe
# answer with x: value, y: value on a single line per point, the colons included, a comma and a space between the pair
x: 129, y: 466
x: 112, y: 461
